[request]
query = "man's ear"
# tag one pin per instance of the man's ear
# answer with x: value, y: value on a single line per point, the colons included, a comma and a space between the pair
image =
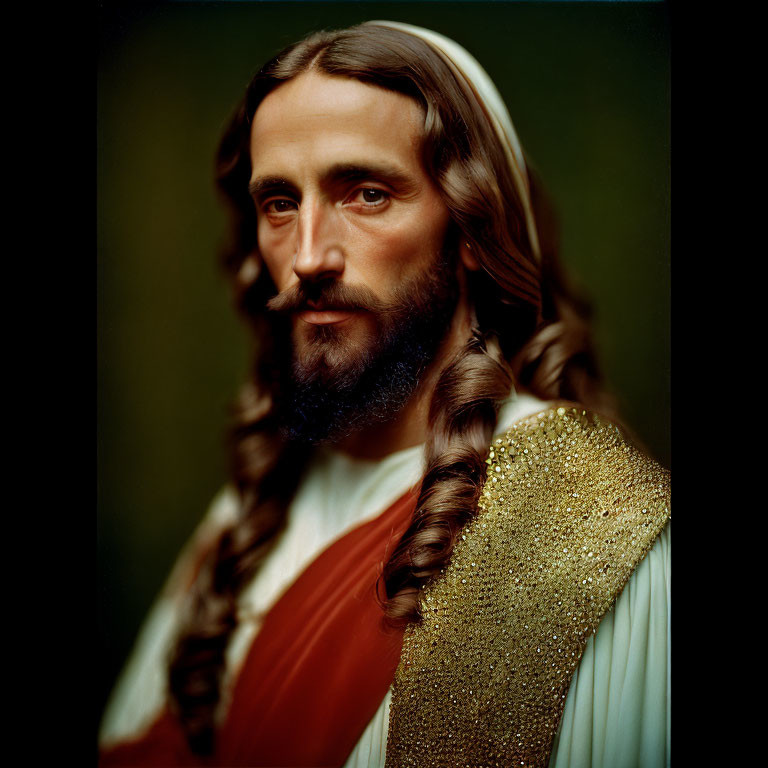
x: 250, y: 269
x: 468, y: 258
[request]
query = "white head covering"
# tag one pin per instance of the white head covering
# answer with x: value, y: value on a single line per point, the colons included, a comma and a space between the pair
x: 478, y: 81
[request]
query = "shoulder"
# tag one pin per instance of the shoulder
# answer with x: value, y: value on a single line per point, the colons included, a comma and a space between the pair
x: 567, y: 487
x: 139, y: 694
x: 581, y: 458
x: 568, y: 511
x: 221, y: 514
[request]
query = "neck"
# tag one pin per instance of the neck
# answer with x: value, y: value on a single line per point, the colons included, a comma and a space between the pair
x: 411, y: 424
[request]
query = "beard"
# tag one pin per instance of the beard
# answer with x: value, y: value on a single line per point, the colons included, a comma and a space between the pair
x: 333, y: 384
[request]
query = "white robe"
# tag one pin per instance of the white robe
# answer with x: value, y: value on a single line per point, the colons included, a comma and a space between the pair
x: 617, y: 711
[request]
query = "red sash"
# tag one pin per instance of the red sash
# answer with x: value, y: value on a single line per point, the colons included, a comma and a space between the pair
x: 316, y: 673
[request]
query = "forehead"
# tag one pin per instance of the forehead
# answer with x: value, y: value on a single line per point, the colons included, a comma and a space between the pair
x: 316, y: 117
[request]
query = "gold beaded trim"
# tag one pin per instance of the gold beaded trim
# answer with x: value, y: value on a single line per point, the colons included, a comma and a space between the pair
x: 568, y: 510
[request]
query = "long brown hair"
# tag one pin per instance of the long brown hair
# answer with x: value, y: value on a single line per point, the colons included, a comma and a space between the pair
x: 531, y: 331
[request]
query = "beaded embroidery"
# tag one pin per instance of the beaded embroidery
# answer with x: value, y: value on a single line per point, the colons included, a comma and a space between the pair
x: 568, y: 510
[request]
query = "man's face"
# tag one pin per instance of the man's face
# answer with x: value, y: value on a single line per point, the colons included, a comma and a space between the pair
x: 350, y: 227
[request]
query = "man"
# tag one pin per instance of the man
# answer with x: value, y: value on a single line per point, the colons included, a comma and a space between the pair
x: 431, y: 514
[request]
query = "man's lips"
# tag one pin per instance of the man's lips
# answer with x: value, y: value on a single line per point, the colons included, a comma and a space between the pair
x: 325, y: 316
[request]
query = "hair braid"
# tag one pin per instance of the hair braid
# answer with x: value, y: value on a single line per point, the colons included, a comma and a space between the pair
x: 462, y: 417
x: 266, y: 471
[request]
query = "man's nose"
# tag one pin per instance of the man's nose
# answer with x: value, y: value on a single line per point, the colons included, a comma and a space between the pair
x: 319, y: 252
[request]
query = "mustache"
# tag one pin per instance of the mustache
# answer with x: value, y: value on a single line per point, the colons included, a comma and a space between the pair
x: 326, y: 295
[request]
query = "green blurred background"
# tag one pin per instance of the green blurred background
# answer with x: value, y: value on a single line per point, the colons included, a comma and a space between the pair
x: 587, y: 85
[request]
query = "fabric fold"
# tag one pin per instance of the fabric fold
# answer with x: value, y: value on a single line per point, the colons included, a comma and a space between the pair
x: 316, y: 673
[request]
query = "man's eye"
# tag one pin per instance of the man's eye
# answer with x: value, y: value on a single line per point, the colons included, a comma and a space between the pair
x: 371, y: 197
x: 279, y: 206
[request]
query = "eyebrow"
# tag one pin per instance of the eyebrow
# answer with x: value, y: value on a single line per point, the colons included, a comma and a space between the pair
x: 339, y: 173
x: 264, y: 184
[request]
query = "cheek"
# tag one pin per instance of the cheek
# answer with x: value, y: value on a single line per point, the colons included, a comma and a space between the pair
x: 277, y: 257
x: 399, y: 248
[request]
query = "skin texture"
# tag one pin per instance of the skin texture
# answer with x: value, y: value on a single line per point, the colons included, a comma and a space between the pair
x: 341, y: 196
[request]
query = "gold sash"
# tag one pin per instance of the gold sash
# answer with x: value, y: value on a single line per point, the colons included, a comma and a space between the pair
x: 568, y: 510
